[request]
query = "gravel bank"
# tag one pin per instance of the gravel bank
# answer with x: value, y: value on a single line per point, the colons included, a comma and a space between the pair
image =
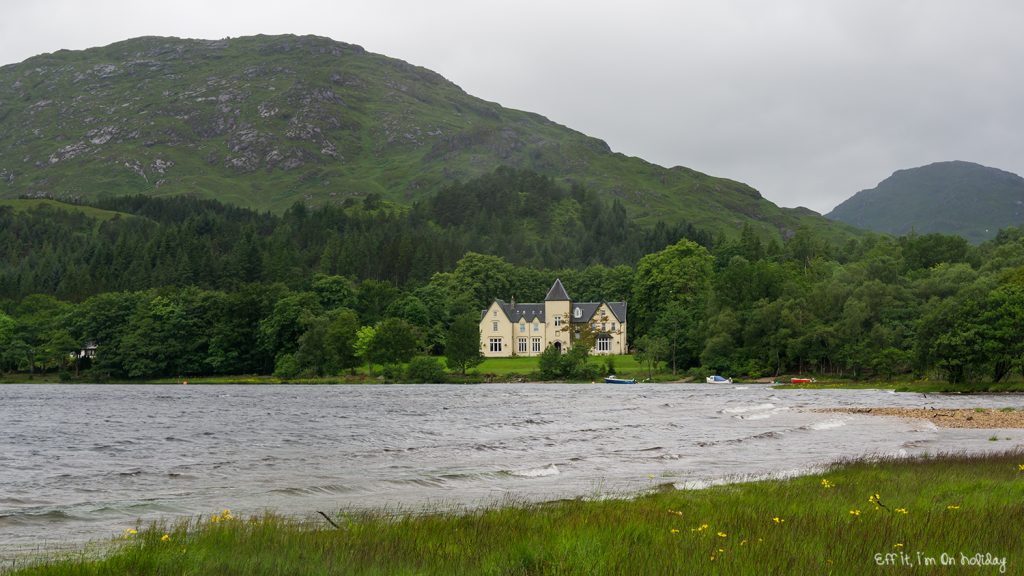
x: 948, y: 417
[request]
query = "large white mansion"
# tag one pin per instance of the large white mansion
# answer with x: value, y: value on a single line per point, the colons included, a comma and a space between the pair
x: 527, y: 329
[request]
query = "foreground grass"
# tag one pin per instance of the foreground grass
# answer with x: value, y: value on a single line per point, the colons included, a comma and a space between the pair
x: 950, y: 509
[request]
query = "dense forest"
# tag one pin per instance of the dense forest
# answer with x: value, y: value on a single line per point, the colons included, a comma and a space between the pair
x: 183, y: 241
x: 179, y: 286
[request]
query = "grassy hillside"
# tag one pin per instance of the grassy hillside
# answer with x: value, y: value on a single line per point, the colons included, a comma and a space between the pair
x: 268, y: 120
x: 961, y: 198
x: 97, y: 214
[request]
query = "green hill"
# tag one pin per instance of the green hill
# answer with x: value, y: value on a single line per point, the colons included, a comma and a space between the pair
x: 961, y: 198
x: 266, y: 121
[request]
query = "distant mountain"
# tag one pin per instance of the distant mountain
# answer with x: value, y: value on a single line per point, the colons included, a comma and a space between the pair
x: 265, y: 121
x: 957, y: 197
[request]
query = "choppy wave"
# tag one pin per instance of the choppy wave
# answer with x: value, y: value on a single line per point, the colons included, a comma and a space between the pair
x: 310, y: 490
x: 746, y: 409
x: 34, y: 517
x: 828, y: 424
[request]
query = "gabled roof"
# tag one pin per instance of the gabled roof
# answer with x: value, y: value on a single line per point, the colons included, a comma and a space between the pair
x: 505, y: 309
x: 557, y: 292
x: 618, y: 309
x: 588, y: 309
x: 530, y: 310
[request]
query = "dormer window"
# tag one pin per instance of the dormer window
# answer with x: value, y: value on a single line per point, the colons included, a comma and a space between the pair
x: 522, y: 326
x: 577, y: 313
x: 536, y: 326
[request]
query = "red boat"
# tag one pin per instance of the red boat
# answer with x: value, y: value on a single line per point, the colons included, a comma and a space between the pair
x: 801, y: 380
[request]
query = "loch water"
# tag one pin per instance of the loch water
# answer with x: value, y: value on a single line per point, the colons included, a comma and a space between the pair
x: 84, y: 462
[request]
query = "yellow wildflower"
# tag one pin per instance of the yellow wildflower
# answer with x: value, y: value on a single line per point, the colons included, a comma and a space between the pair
x: 826, y: 484
x: 901, y: 510
x: 165, y: 538
x: 1020, y: 467
x: 778, y: 520
x: 130, y: 532
x: 897, y: 545
x: 953, y: 507
x: 722, y: 534
x: 855, y: 512
x: 674, y: 531
x: 214, y: 519
x: 226, y: 515
x: 743, y: 542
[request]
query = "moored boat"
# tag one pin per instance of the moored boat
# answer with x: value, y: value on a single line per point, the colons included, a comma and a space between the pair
x: 716, y: 379
x: 801, y: 380
x: 613, y: 380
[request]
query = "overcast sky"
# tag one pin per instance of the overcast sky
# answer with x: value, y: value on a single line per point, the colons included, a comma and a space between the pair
x: 809, y: 101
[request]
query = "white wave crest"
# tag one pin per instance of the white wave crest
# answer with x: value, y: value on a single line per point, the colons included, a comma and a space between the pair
x: 745, y: 409
x: 828, y: 424
x: 549, y: 470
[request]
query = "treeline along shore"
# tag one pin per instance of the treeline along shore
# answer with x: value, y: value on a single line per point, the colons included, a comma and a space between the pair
x: 143, y: 288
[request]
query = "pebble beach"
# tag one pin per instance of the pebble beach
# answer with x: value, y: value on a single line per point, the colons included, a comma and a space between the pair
x: 948, y: 417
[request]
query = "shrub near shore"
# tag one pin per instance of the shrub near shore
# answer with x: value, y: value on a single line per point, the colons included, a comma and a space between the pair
x: 872, y: 517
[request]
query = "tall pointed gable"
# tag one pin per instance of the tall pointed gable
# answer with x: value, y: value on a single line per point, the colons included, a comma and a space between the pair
x: 557, y: 292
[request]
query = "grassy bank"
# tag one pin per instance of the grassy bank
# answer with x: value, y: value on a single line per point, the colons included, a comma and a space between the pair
x: 861, y: 518
x: 522, y: 368
x: 526, y: 369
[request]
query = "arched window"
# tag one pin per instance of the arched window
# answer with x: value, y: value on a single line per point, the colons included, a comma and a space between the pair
x: 577, y: 313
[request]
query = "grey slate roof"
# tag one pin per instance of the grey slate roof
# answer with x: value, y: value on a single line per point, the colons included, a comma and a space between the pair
x: 557, y: 292
x: 530, y: 310
x: 526, y: 310
x: 619, y: 310
x: 587, y: 310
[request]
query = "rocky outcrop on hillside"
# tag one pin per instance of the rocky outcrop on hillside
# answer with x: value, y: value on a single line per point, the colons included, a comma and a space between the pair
x: 265, y: 121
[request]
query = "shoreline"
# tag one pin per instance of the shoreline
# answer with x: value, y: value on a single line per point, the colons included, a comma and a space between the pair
x: 947, y: 417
